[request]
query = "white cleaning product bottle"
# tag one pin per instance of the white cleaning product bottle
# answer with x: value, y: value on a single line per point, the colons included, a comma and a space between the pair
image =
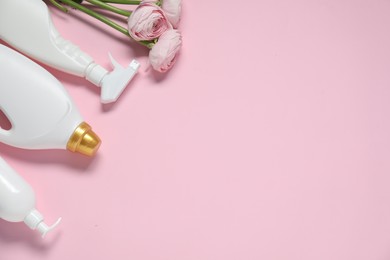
x: 17, y: 201
x: 41, y: 113
x: 26, y: 25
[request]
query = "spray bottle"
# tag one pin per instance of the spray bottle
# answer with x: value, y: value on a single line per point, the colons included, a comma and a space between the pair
x: 41, y: 113
x: 17, y: 201
x: 26, y: 25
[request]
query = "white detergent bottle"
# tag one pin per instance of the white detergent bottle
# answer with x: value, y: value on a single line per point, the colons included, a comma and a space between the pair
x: 26, y: 25
x: 17, y: 201
x: 41, y: 113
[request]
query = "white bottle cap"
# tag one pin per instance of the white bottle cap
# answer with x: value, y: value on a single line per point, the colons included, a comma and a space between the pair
x: 112, y: 83
x: 34, y: 220
x: 95, y: 74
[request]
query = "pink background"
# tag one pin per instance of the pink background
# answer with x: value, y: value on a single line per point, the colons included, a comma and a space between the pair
x: 270, y: 139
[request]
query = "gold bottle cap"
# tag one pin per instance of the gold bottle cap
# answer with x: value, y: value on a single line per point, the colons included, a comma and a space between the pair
x: 84, y: 140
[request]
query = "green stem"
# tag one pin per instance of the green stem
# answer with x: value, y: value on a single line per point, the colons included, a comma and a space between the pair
x: 124, y: 2
x: 128, y: 2
x: 96, y: 15
x: 148, y: 44
x: 110, y: 8
x: 71, y: 3
x: 59, y: 6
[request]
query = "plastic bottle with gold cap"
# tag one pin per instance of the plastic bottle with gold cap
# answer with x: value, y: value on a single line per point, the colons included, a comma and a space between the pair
x: 40, y: 112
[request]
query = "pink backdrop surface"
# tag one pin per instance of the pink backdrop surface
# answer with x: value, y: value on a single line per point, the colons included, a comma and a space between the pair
x: 269, y: 139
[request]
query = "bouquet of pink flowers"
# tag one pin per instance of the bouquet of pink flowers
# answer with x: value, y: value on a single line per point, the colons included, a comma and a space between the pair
x: 153, y: 24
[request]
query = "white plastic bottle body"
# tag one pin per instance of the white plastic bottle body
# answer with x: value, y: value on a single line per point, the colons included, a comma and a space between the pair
x: 27, y: 26
x: 41, y: 112
x: 17, y: 201
x: 17, y: 198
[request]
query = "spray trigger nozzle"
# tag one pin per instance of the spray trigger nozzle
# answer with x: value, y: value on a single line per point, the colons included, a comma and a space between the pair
x: 117, y: 80
x: 114, y: 63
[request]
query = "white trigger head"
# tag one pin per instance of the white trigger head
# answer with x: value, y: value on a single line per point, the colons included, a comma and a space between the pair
x: 117, y: 80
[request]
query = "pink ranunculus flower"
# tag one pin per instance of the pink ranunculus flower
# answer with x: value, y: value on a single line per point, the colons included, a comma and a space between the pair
x: 147, y: 22
x: 172, y: 9
x: 163, y: 54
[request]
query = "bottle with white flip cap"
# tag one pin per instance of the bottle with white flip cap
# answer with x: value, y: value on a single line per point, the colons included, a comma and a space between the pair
x: 40, y: 111
x: 17, y: 201
x: 26, y: 25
